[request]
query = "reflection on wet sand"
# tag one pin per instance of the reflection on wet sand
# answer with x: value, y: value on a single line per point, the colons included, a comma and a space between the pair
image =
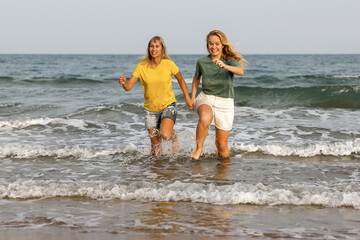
x: 221, y: 169
x: 162, y: 170
x: 171, y: 217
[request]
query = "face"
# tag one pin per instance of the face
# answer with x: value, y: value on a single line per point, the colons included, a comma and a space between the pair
x: 215, y: 46
x: 155, y: 49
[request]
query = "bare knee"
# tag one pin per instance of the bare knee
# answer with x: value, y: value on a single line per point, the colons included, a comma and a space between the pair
x: 221, y: 145
x: 167, y: 135
x: 205, y: 115
x: 166, y: 129
x: 204, y: 121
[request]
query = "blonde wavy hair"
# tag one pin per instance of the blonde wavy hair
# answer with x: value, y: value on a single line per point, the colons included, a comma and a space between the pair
x: 228, y: 51
x: 147, y: 58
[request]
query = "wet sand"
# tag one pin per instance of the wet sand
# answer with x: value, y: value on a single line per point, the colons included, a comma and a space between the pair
x: 51, y: 234
x: 90, y: 219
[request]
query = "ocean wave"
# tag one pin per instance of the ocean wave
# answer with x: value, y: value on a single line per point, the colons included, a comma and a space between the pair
x: 23, y: 151
x: 121, y: 108
x: 237, y: 193
x: 63, y: 80
x: 20, y: 124
x: 6, y: 78
x: 313, y: 97
x: 338, y: 149
x: 8, y: 105
x: 275, y: 79
x: 328, y: 76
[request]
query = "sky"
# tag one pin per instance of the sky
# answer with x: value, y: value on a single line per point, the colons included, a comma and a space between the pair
x: 126, y: 26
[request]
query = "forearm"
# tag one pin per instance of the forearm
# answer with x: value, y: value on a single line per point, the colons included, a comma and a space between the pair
x: 236, y: 70
x: 183, y: 85
x: 195, y: 86
x: 127, y: 85
x: 184, y: 89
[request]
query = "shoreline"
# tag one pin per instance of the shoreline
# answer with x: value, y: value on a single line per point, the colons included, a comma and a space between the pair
x: 66, y: 218
x: 66, y: 234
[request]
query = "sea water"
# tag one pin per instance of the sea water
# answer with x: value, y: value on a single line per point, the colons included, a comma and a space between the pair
x: 72, y: 140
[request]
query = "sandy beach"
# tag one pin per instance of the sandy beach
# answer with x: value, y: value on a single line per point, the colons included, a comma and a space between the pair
x: 170, y: 220
x: 51, y: 234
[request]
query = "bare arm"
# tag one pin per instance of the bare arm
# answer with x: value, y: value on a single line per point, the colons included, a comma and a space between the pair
x: 234, y: 69
x: 127, y: 85
x: 185, y: 90
x: 195, y: 86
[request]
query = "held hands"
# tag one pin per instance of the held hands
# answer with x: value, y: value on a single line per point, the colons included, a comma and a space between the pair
x: 190, y: 102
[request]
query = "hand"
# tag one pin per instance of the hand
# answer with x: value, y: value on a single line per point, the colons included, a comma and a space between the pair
x: 219, y: 63
x: 122, y: 80
x: 191, y: 103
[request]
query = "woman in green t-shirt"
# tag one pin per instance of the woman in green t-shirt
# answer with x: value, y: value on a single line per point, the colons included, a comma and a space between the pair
x: 155, y: 72
x: 215, y: 104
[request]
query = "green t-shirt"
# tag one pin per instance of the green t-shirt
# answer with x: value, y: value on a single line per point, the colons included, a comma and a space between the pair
x: 216, y: 80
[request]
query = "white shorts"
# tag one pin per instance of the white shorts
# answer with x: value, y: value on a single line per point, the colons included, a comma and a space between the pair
x: 222, y: 109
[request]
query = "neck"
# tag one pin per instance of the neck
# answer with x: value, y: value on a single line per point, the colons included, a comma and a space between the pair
x: 213, y: 57
x: 156, y: 61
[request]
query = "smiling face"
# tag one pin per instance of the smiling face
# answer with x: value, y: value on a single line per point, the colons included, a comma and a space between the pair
x: 215, y: 47
x: 155, y: 49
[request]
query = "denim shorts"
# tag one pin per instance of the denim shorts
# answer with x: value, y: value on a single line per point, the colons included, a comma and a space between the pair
x: 153, y: 119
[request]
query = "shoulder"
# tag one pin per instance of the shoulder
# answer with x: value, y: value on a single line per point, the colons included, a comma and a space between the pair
x: 204, y: 59
x: 170, y: 65
x: 168, y: 61
x: 141, y: 64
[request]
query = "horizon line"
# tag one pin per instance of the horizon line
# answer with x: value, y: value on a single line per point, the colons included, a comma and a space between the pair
x: 176, y: 54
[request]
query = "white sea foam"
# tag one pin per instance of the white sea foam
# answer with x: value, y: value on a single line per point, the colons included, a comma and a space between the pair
x: 347, y: 76
x: 21, y: 151
x: 309, y: 150
x: 32, y: 151
x: 78, y: 123
x: 5, y: 105
x: 237, y: 193
x: 187, y: 80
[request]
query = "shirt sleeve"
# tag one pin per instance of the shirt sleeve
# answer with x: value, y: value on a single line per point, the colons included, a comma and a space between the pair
x: 136, y: 72
x: 233, y: 63
x: 198, y: 70
x: 174, y: 68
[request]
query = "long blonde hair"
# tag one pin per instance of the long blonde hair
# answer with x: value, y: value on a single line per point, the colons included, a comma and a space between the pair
x: 228, y: 51
x: 147, y: 58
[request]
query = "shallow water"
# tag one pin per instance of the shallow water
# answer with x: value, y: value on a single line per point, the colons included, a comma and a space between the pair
x: 171, y: 219
x: 72, y: 140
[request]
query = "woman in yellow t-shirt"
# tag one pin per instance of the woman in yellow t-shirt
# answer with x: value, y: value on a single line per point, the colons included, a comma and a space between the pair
x: 155, y: 72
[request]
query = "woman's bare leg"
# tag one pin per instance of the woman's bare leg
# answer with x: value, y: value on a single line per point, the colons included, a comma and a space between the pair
x: 221, y: 143
x: 167, y: 133
x: 155, y: 140
x: 205, y: 115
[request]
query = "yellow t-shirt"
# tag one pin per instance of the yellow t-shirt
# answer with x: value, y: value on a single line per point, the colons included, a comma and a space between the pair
x: 157, y: 84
